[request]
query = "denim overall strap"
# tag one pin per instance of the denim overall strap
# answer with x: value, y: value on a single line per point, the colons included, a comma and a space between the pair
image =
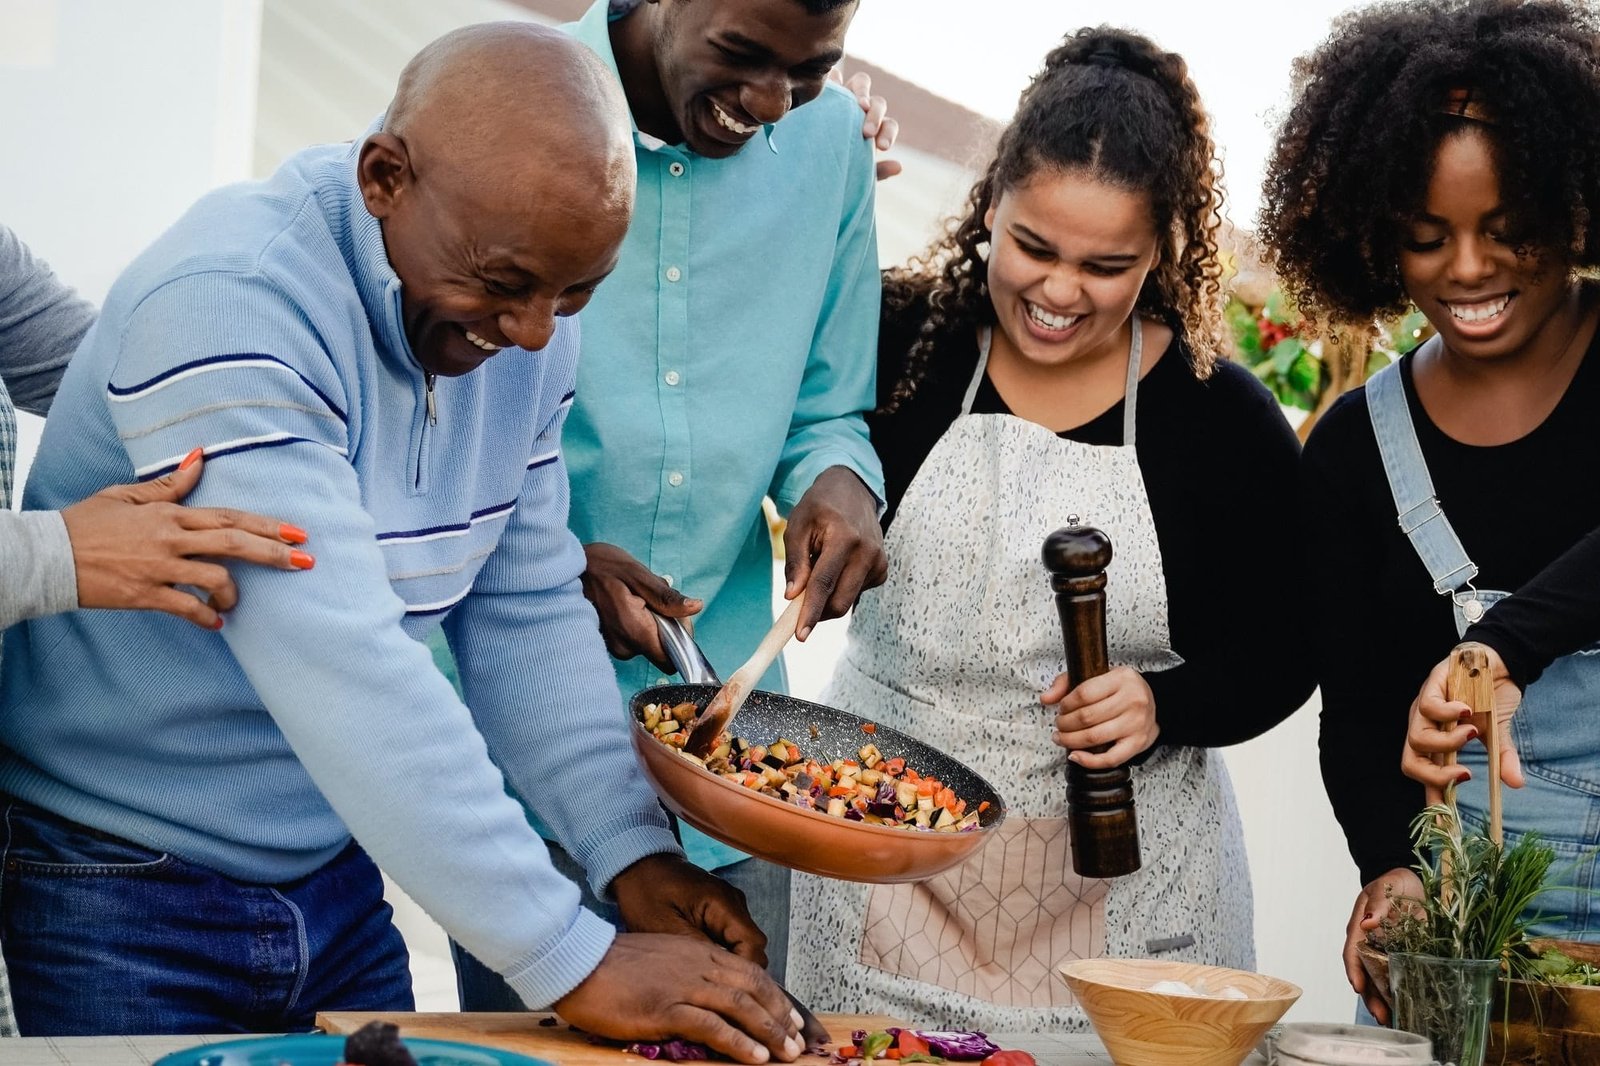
x: 1421, y: 518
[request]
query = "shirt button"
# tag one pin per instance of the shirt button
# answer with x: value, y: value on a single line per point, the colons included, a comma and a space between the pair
x: 675, y: 169
x: 671, y: 377
x: 674, y: 479
x: 673, y: 273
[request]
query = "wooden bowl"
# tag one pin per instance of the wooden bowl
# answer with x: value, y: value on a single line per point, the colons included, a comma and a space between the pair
x: 807, y: 840
x: 1144, y: 1028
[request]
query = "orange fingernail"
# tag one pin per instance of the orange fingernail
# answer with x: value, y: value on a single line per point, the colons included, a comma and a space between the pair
x: 301, y: 560
x: 191, y: 459
x: 291, y: 534
x: 219, y: 623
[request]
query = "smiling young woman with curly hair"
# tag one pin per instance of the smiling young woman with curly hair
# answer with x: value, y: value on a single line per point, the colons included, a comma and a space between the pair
x: 1055, y: 358
x: 1447, y: 155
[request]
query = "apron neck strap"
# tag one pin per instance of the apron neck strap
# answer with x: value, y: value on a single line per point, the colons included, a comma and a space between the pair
x: 1130, y: 391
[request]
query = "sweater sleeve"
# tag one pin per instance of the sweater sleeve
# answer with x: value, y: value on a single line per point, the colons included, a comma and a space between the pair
x: 1235, y: 620
x: 41, y: 322
x: 1554, y: 614
x: 377, y: 727
x: 1363, y: 724
x: 837, y: 388
x: 549, y: 706
x: 37, y: 576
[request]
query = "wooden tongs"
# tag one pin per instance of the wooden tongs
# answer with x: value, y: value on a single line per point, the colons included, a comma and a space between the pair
x: 1469, y: 682
x: 715, y: 719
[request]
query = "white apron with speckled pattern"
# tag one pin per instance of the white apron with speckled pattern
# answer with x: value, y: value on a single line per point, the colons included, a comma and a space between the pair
x: 955, y: 649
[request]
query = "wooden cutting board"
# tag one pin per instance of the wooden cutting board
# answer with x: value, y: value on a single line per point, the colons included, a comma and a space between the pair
x: 558, y: 1043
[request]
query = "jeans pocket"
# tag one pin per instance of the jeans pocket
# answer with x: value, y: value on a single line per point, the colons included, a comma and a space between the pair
x: 43, y: 845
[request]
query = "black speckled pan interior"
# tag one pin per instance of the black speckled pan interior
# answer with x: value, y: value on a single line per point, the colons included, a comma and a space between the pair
x: 825, y: 734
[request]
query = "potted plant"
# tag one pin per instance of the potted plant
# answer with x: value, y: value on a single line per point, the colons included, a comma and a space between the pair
x: 1447, y: 949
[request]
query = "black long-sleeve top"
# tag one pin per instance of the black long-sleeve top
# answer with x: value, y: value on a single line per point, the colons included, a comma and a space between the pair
x: 1218, y: 461
x: 1517, y: 508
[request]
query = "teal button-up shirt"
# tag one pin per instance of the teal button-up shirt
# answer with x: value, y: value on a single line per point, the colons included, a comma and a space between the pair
x: 729, y: 357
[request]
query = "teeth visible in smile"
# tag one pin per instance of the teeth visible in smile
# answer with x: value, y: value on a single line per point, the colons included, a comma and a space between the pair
x: 1478, y: 312
x: 728, y: 122
x: 480, y: 342
x: 1048, y: 320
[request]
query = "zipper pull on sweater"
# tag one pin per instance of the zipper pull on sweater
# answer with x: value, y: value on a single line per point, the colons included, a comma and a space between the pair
x: 433, y: 411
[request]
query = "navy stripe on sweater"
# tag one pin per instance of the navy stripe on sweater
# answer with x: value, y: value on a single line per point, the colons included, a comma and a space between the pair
x: 219, y: 362
x: 499, y: 510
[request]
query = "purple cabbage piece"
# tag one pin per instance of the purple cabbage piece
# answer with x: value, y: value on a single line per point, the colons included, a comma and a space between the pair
x: 950, y: 1044
x: 671, y: 1050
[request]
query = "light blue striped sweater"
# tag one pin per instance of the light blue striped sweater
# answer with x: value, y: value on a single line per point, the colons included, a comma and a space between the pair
x: 266, y: 326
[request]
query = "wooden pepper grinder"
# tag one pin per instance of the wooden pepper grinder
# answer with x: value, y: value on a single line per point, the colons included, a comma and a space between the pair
x: 1100, y: 812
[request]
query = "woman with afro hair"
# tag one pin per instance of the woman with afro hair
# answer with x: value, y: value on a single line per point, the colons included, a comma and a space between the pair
x: 1447, y: 155
x: 1055, y: 359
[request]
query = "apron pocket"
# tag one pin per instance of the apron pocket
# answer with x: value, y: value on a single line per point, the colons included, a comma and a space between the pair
x: 995, y: 927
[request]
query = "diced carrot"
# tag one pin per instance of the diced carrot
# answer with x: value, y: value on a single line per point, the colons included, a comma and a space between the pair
x: 912, y: 776
x: 894, y: 767
x: 892, y: 1053
x: 983, y: 806
x: 869, y: 728
x: 849, y: 1051
x: 960, y: 808
x: 841, y: 790
x: 927, y: 787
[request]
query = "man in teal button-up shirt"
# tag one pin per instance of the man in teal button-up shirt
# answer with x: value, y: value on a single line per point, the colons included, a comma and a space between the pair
x: 731, y: 354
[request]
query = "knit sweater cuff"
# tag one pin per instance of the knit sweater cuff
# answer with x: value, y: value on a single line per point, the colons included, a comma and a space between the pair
x: 559, y: 968
x: 39, y: 577
x: 610, y: 849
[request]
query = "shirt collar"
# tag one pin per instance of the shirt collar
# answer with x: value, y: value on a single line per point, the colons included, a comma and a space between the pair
x: 594, y: 30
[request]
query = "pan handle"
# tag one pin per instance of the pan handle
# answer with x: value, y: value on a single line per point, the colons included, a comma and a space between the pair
x: 685, y: 654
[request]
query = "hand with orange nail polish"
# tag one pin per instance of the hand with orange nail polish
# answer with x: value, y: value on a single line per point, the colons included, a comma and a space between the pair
x: 133, y: 544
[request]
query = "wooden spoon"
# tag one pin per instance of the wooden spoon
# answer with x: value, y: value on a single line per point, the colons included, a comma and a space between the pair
x: 718, y: 715
x: 1470, y: 682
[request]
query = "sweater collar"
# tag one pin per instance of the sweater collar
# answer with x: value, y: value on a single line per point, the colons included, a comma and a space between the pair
x: 376, y: 282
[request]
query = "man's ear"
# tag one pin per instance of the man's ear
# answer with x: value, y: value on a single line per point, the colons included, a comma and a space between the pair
x: 383, y: 171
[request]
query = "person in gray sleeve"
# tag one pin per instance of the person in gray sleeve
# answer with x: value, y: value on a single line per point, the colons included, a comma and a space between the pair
x: 126, y: 546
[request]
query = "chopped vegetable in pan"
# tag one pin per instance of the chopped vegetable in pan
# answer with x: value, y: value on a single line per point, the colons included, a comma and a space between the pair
x: 869, y: 788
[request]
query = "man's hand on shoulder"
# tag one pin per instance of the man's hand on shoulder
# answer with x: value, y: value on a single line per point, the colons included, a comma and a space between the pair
x: 877, y: 127
x: 624, y: 592
x: 833, y: 546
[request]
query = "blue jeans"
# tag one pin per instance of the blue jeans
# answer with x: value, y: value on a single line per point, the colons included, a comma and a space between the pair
x: 766, y: 892
x: 104, y: 936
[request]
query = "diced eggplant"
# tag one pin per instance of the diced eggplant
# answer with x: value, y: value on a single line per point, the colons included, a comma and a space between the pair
x: 652, y: 716
x: 870, y: 777
x: 905, y: 793
x: 870, y: 755
x: 944, y: 819
x: 691, y: 758
x: 777, y: 762
x: 685, y: 712
x: 723, y: 750
x: 836, y: 807
x: 668, y: 727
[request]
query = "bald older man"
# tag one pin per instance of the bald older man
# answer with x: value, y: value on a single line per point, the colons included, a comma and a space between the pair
x: 375, y: 340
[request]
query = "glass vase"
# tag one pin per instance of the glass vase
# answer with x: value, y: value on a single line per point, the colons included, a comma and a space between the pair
x: 1446, y: 1000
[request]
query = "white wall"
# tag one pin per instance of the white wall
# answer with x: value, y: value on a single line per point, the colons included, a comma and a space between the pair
x: 115, y: 117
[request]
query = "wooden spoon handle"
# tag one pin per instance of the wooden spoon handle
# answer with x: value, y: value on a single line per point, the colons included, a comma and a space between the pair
x: 715, y: 719
x: 777, y: 638
x: 1469, y: 681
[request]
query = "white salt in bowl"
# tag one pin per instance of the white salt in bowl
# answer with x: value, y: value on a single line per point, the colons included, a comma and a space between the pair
x: 1141, y: 1026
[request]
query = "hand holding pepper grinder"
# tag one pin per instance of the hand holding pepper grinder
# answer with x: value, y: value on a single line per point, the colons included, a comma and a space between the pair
x: 1103, y: 826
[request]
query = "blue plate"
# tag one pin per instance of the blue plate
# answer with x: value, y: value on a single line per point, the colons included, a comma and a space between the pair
x: 327, y: 1050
